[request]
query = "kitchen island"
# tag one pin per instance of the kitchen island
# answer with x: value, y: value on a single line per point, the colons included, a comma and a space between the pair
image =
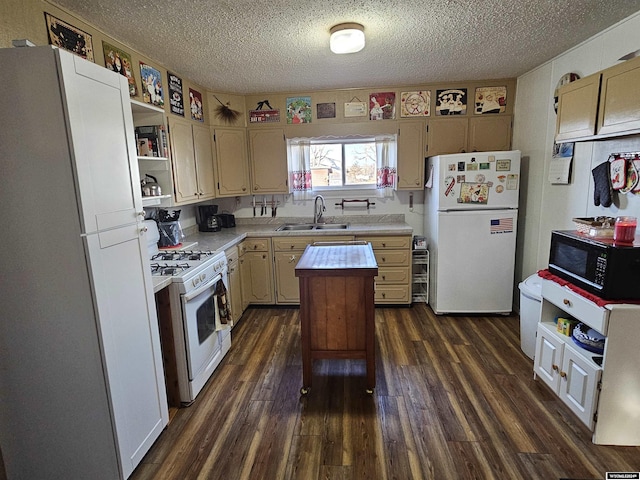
x: 337, y: 305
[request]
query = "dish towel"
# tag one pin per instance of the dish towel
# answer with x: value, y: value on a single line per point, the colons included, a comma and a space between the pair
x: 602, y: 191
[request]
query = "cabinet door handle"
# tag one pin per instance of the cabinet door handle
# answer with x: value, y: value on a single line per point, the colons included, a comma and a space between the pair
x: 567, y: 302
x: 383, y: 259
x: 292, y: 259
x: 384, y: 277
x: 264, y: 256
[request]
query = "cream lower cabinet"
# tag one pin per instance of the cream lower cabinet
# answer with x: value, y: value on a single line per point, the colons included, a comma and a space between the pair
x: 192, y: 159
x: 286, y: 253
x: 393, y: 254
x: 602, y: 390
x: 256, y: 271
x: 232, y: 165
x: 235, y: 285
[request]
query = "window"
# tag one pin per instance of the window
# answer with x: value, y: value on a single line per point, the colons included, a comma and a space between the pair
x: 343, y: 164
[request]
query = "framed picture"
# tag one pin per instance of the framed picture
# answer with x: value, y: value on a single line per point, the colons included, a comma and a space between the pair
x: 176, y: 100
x: 195, y: 102
x: 355, y: 109
x: 415, y: 104
x: 326, y: 110
x: 298, y: 110
x: 490, y: 100
x: 151, y: 85
x: 452, y: 101
x: 120, y: 62
x: 382, y: 106
x: 66, y: 36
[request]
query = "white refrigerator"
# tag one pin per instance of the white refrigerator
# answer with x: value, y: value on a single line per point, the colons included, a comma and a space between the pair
x: 82, y: 390
x: 471, y: 215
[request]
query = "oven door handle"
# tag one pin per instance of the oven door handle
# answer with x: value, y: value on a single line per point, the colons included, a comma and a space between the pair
x: 199, y: 290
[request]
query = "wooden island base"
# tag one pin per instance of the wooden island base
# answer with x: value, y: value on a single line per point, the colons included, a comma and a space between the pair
x: 337, y: 305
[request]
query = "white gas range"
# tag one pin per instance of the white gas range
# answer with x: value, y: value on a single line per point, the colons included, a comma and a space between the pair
x: 200, y: 316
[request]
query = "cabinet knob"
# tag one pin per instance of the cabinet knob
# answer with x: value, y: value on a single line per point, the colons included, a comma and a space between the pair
x: 554, y: 368
x: 383, y: 259
x: 384, y: 277
x: 264, y: 256
x: 384, y: 245
x: 384, y: 295
x: 567, y: 302
x: 255, y: 247
x: 140, y: 214
x: 563, y: 374
x: 244, y: 189
x: 144, y: 230
x: 255, y: 187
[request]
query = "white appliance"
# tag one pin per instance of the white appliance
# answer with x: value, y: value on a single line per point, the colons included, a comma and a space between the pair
x: 82, y: 390
x: 471, y: 214
x: 200, y: 320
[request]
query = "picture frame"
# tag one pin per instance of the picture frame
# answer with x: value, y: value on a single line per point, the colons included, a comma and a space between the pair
x: 195, y: 102
x: 70, y: 38
x: 355, y: 109
x: 452, y: 101
x: 326, y: 110
x: 119, y: 61
x: 176, y: 98
x: 415, y: 104
x: 151, y: 85
x: 382, y: 106
x: 298, y: 110
x: 490, y: 100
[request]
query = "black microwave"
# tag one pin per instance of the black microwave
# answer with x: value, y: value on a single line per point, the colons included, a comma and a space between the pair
x: 599, y: 266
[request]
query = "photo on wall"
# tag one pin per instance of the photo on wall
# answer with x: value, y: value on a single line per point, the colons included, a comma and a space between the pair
x: 415, y: 104
x: 490, y: 100
x: 299, y: 110
x: 195, y: 103
x: 382, y: 106
x: 120, y: 62
x: 66, y: 36
x: 151, y: 85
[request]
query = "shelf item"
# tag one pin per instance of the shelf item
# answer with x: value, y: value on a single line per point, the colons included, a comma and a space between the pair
x: 420, y: 276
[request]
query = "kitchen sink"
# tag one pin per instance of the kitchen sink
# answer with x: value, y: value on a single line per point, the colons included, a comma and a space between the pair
x: 311, y: 226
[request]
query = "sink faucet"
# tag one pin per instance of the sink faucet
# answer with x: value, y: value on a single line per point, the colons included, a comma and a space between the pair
x: 317, y: 211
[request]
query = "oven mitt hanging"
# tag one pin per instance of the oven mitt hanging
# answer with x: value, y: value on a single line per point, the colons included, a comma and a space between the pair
x: 602, y: 191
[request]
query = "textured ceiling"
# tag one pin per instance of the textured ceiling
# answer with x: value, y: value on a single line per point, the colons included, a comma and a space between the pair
x: 255, y: 46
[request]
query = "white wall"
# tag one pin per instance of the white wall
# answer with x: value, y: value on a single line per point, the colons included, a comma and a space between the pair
x: 545, y: 207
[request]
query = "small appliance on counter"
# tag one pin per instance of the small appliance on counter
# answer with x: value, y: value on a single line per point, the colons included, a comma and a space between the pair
x: 227, y: 220
x: 207, y: 219
x: 171, y: 234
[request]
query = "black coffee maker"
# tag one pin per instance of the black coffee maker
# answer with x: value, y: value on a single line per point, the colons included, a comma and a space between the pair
x: 207, y: 219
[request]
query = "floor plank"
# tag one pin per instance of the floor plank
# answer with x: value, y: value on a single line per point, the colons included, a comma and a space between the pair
x: 455, y: 398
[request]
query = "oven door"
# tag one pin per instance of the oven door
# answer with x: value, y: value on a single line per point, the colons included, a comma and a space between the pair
x: 203, y: 326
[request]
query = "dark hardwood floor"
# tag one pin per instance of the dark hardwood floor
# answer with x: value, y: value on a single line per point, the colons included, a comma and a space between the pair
x: 455, y: 399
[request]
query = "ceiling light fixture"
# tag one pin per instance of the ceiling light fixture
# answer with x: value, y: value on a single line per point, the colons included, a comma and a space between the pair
x: 347, y: 38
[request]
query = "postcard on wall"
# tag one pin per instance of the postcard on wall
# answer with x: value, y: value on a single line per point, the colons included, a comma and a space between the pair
x: 415, y: 104
x: 195, y: 103
x: 382, y: 106
x: 176, y: 99
x: 326, y: 110
x: 490, y: 100
x: 451, y: 102
x: 151, y: 85
x: 66, y: 36
x: 120, y: 62
x: 299, y: 110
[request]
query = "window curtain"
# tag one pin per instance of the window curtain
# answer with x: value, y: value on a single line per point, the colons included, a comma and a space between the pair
x: 386, y: 165
x: 299, y: 160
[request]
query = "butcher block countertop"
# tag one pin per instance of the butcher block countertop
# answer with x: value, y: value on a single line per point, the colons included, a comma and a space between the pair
x: 333, y: 259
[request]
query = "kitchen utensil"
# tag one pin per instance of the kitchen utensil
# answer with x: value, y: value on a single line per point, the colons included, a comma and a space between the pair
x: 253, y: 203
x: 150, y: 188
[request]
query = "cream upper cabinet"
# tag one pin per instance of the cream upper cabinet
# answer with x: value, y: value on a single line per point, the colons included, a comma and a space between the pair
x: 620, y: 99
x: 577, y: 108
x: 183, y: 161
x: 447, y: 135
x: 411, y: 155
x: 268, y: 161
x: 232, y: 172
x: 204, y: 162
x: 482, y: 133
x: 488, y: 133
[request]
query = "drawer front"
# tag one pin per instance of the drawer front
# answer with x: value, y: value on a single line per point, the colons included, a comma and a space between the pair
x: 392, y: 243
x: 254, y: 245
x: 231, y: 254
x: 393, y: 275
x: 392, y: 294
x: 577, y: 306
x: 392, y: 258
x: 300, y: 243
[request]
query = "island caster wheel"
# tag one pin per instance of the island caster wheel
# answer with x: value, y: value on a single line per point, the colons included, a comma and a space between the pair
x: 304, y: 390
x: 369, y: 391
